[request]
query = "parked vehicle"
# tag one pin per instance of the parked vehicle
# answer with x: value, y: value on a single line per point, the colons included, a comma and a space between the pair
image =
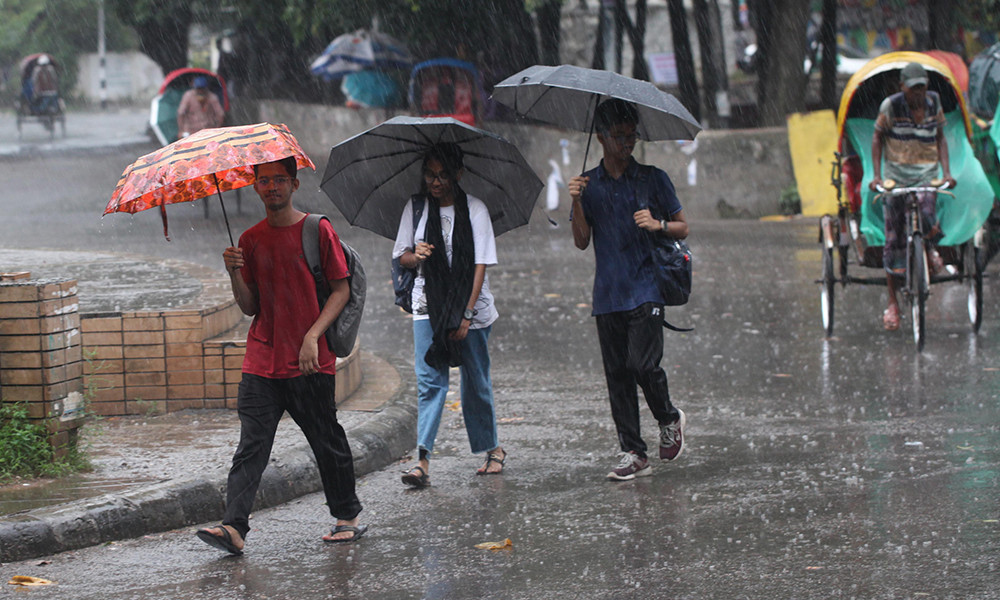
x: 163, y: 108
x: 447, y: 87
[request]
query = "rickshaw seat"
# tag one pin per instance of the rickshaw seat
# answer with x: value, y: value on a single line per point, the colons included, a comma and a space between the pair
x: 960, y: 216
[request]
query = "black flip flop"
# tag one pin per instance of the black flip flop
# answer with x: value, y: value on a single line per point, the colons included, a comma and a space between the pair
x: 358, y: 532
x: 417, y: 481
x: 222, y: 542
x: 493, y: 457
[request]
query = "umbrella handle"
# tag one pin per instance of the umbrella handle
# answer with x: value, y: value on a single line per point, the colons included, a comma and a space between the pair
x: 218, y: 191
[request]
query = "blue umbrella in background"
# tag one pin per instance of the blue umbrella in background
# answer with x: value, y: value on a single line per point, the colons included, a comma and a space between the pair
x: 360, y: 50
x: 373, y: 89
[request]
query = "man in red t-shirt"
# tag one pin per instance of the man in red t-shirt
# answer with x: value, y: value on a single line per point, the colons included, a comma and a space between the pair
x: 288, y: 364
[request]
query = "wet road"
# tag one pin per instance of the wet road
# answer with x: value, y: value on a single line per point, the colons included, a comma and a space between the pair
x: 843, y: 468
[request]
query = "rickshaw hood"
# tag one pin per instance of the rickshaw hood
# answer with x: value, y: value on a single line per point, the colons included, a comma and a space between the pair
x: 895, y: 61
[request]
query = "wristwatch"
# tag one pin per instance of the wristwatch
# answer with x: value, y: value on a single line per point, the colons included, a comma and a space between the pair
x: 468, y: 314
x: 663, y: 226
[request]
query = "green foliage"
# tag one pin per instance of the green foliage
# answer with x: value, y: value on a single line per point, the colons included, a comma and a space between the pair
x: 790, y: 203
x: 63, y: 28
x: 25, y: 450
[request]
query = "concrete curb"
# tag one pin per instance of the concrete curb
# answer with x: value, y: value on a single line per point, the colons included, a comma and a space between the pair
x: 178, y: 503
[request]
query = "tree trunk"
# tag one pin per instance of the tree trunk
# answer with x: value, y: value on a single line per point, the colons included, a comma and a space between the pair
x: 941, y: 24
x: 638, y: 33
x: 688, y: 81
x: 828, y: 37
x: 597, y: 62
x: 781, y: 50
x: 709, y: 70
x: 548, y: 14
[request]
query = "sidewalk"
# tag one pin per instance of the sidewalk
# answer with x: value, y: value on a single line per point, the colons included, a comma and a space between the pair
x: 90, y: 129
x: 166, y: 472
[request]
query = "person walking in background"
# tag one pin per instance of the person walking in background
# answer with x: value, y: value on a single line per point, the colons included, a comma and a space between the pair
x: 910, y: 129
x: 627, y: 303
x: 452, y: 306
x: 288, y: 365
x: 199, y: 109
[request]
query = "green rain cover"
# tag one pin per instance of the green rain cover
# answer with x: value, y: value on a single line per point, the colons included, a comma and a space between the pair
x: 960, y: 216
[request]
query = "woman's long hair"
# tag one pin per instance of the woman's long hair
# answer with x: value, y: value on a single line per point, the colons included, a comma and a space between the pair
x: 450, y: 156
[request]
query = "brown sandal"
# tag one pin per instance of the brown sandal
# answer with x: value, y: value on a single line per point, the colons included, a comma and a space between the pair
x: 492, y: 457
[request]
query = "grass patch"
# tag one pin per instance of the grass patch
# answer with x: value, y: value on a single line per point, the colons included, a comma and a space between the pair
x: 25, y: 450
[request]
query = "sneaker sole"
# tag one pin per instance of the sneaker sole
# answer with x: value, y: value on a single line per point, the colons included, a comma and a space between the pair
x: 640, y: 473
x: 683, y: 420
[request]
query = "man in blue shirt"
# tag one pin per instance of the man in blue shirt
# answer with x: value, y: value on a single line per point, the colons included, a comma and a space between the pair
x: 609, y: 203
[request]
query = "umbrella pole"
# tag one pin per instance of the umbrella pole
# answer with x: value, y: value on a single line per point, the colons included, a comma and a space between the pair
x: 590, y: 135
x: 223, y: 204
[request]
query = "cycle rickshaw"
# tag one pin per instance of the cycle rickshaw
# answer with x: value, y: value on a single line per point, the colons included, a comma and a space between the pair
x: 856, y: 233
x: 39, y: 101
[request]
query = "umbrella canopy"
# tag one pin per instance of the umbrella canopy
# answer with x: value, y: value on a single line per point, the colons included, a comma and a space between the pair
x: 208, y: 162
x: 567, y: 96
x: 371, y: 176
x: 360, y: 50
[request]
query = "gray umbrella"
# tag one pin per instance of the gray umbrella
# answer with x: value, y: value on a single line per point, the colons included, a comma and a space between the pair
x: 566, y: 95
x: 371, y: 175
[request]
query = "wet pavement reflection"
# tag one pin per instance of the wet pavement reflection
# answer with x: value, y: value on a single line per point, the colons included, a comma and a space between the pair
x: 850, y: 467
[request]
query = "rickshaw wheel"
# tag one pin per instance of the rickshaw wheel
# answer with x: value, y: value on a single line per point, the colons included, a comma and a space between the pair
x: 972, y: 262
x: 827, y: 291
x: 919, y: 287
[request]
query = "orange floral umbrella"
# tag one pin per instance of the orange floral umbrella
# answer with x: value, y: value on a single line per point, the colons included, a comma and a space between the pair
x: 208, y: 162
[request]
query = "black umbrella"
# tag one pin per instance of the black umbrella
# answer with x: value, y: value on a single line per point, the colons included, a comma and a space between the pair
x: 372, y: 175
x: 567, y: 96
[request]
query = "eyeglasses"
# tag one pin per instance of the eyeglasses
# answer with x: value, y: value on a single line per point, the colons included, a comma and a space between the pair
x: 266, y: 181
x: 442, y: 177
x: 627, y: 138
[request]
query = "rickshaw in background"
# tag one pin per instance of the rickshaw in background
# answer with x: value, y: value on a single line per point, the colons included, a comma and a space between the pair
x: 984, y: 104
x: 40, y: 101
x: 857, y: 231
x: 163, y: 108
x: 447, y: 87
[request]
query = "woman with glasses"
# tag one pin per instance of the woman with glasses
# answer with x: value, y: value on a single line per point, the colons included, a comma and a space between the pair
x: 450, y: 244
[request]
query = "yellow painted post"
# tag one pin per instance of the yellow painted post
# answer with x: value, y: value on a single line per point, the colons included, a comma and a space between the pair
x: 812, y: 140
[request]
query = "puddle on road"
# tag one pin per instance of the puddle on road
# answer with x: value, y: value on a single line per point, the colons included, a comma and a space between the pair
x: 19, y: 497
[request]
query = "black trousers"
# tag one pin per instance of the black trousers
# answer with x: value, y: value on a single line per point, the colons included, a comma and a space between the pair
x: 310, y: 401
x: 632, y: 347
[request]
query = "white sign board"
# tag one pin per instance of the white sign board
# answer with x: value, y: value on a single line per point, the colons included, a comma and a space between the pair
x: 662, y: 68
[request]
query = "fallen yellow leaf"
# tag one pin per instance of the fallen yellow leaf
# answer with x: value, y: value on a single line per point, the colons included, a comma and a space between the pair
x: 494, y: 546
x: 454, y: 406
x: 28, y: 580
x: 550, y: 295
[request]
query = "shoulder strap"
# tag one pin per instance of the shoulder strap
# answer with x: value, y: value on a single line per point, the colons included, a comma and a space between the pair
x: 418, y: 210
x: 642, y: 189
x: 310, y: 245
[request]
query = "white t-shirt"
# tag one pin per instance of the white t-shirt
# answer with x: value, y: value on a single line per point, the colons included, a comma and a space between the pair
x: 485, y: 254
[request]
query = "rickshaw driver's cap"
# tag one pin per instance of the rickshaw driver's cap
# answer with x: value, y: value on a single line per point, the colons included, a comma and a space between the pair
x: 913, y: 75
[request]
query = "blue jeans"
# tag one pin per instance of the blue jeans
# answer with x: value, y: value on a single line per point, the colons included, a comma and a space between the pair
x: 476, y: 391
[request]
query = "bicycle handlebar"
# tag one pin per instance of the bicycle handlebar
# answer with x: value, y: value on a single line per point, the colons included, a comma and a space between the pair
x: 898, y: 191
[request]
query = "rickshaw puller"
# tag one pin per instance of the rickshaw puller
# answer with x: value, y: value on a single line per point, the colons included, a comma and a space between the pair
x: 910, y: 127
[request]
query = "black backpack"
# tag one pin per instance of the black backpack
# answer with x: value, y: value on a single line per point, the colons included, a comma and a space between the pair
x: 402, y: 277
x: 672, y: 262
x: 343, y: 333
